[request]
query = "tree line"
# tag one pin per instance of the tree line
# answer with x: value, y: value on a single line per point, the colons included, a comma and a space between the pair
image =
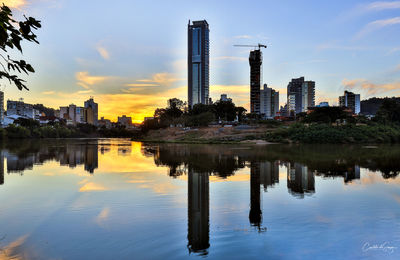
x: 177, y: 113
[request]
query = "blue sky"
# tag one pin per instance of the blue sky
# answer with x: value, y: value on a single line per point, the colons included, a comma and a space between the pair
x: 131, y: 55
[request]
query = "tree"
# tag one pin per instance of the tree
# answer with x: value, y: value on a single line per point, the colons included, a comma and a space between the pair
x: 176, y: 103
x: 389, y: 111
x: 241, y: 112
x: 10, y: 37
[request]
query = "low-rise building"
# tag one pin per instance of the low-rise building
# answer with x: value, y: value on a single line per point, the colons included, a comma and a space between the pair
x: 72, y: 114
x: 105, y: 122
x: 21, y: 109
x: 125, y: 121
x: 224, y: 97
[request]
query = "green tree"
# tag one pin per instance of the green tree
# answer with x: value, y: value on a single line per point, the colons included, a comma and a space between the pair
x: 11, y: 36
x: 389, y: 111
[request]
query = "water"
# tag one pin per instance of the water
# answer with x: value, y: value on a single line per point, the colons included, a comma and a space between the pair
x: 117, y: 199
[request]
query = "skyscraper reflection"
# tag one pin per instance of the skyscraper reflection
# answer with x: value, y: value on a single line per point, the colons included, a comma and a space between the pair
x: 255, y: 215
x: 198, y: 212
x: 300, y: 180
x: 269, y: 173
x: 1, y: 168
x: 91, y: 158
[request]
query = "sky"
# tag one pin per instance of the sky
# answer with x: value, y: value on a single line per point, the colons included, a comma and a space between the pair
x: 131, y: 56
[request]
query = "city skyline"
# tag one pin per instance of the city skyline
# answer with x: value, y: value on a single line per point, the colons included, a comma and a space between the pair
x: 344, y: 50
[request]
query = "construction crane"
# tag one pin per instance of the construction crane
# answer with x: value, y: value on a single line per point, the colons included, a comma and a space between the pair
x: 259, y: 46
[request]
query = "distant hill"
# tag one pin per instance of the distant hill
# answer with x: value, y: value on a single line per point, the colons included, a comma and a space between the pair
x: 42, y: 109
x: 371, y: 106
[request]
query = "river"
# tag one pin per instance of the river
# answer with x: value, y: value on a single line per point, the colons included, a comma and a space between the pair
x: 118, y: 199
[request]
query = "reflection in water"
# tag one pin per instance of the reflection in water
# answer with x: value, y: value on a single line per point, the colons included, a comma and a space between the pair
x: 300, y: 164
x: 269, y: 171
x: 1, y: 168
x: 198, y: 212
x: 33, y: 153
x: 300, y: 179
x: 255, y: 215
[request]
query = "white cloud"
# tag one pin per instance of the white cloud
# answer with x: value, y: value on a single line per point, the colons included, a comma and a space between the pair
x: 376, y: 25
x: 379, y: 6
x: 103, y: 52
x: 243, y: 37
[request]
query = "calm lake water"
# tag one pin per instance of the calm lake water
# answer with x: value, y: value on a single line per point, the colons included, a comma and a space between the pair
x: 117, y: 199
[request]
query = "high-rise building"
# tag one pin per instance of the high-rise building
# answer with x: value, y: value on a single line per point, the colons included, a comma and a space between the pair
x: 198, y: 62
x: 351, y: 101
x: 1, y: 107
x: 269, y: 102
x: 300, y: 95
x: 255, y: 60
x: 91, y: 112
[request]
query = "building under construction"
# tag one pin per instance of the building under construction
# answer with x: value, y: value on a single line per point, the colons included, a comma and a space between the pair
x: 255, y: 60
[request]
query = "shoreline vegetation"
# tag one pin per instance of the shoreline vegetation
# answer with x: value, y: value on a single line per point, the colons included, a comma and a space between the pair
x: 293, y: 133
x: 224, y: 123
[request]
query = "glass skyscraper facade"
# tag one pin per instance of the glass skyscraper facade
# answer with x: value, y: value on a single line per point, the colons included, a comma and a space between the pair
x: 198, y: 62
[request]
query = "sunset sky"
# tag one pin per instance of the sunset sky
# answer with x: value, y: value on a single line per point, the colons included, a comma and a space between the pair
x: 131, y: 55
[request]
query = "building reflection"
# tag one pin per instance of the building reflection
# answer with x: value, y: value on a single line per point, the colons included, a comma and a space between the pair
x: 198, y: 212
x: 255, y: 214
x: 347, y: 172
x: 300, y: 180
x: 269, y: 173
x: 70, y: 155
x: 91, y: 159
x: 1, y: 168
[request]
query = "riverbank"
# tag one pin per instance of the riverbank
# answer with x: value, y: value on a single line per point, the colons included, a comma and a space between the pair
x: 294, y: 133
x: 207, y: 135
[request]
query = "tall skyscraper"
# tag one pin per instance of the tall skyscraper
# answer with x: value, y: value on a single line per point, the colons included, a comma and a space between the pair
x: 1, y: 107
x: 91, y: 112
x: 350, y: 100
x: 269, y: 102
x: 255, y: 60
x: 300, y: 95
x: 198, y: 63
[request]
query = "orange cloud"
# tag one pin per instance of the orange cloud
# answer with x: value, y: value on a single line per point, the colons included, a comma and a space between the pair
x: 17, y: 4
x: 48, y: 92
x: 370, y: 88
x: 162, y: 79
x: 91, y: 186
x: 85, y: 80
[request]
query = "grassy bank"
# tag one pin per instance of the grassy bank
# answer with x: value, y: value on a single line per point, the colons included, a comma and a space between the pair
x: 324, y: 133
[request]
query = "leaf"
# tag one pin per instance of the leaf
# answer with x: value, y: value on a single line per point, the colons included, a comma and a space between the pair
x: 30, y: 68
